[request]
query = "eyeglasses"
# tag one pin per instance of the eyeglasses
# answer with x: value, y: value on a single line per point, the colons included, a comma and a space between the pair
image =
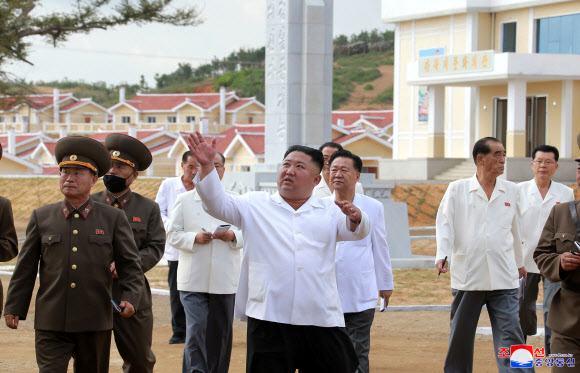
x: 547, y: 163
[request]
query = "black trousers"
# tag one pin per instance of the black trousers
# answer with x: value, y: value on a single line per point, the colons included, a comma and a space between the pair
x: 133, y: 337
x: 283, y: 348
x: 89, y: 350
x: 177, y: 311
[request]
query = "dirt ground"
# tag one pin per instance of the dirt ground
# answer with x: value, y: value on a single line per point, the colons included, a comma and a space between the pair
x: 400, y: 342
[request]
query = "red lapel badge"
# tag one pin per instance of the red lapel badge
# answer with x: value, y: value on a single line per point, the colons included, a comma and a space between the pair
x: 136, y: 219
x: 507, y: 204
x: 99, y: 231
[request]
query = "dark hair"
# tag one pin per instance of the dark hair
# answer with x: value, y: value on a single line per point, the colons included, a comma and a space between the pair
x: 330, y: 144
x: 316, y: 155
x: 186, y: 155
x: 222, y: 157
x: 346, y: 154
x: 546, y: 149
x: 481, y: 147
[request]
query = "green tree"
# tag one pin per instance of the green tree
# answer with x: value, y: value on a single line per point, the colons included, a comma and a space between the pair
x: 19, y: 23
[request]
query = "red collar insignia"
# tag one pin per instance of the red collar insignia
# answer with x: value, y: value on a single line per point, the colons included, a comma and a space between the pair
x: 99, y: 231
x: 136, y: 219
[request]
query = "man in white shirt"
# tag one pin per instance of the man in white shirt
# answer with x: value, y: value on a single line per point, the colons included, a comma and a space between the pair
x: 363, y: 268
x: 324, y: 187
x: 207, y: 278
x: 168, y: 191
x: 537, y: 197
x: 478, y: 236
x: 287, y: 287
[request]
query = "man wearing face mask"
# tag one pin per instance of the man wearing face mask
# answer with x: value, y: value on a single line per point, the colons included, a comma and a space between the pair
x: 133, y: 337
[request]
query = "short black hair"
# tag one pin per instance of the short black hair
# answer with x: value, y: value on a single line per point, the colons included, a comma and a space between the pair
x: 186, y: 155
x: 546, y: 149
x: 346, y: 154
x: 481, y: 147
x: 330, y: 144
x: 222, y: 157
x: 316, y: 155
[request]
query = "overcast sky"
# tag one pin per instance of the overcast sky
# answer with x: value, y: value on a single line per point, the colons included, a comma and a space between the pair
x: 123, y: 54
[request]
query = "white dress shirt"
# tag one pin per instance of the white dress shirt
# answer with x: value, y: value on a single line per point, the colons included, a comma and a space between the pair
x: 480, y: 237
x: 168, y: 191
x: 287, y: 273
x: 212, y: 268
x: 534, y: 212
x: 364, y: 267
x: 322, y: 190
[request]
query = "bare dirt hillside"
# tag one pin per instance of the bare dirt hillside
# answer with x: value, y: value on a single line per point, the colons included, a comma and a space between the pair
x: 360, y: 99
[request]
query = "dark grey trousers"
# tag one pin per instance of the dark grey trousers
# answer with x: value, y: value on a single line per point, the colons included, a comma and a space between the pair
x: 358, y: 327
x: 177, y: 312
x: 528, y: 318
x: 208, y: 341
x: 502, y: 306
x: 133, y: 337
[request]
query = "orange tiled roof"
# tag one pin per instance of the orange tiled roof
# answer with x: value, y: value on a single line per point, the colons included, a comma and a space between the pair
x: 380, y: 118
x: 36, y: 102
x: 162, y: 102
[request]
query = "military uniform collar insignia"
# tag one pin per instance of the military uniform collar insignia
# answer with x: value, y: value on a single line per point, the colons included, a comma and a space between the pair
x: 118, y: 202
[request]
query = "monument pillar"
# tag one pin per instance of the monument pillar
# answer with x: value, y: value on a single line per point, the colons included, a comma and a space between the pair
x: 298, y: 75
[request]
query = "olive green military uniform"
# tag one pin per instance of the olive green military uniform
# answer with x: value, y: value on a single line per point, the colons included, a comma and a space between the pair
x: 8, y: 239
x: 134, y: 336
x: 71, y: 249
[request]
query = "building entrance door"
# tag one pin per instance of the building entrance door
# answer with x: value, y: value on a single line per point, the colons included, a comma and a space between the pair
x: 535, y: 122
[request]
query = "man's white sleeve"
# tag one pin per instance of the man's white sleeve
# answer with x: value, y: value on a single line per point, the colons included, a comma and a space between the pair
x: 444, y: 225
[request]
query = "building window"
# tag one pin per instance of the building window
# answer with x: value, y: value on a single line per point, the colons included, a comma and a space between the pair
x: 171, y: 119
x: 190, y: 119
x: 1, y: 119
x: 250, y: 120
x: 245, y: 168
x: 151, y: 119
x: 14, y: 118
x: 509, y: 37
x: 125, y: 119
x: 25, y: 119
x: 558, y: 35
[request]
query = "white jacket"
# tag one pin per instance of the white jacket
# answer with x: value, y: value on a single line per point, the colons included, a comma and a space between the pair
x: 211, y: 268
x: 168, y: 191
x: 287, y: 271
x: 364, y: 267
x: 534, y: 212
x: 480, y: 237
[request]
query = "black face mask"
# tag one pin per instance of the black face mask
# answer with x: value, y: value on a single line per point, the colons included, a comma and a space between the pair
x: 115, y: 184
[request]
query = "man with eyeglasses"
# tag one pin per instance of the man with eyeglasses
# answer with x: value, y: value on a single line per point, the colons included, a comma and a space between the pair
x: 71, y: 245
x: 536, y: 199
x: 207, y: 278
x: 134, y: 336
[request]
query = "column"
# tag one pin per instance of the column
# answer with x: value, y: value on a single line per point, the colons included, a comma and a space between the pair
x: 516, y: 119
x: 567, y: 137
x: 436, y: 124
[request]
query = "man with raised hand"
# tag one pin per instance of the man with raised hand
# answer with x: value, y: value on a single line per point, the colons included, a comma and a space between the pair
x: 478, y: 238
x: 134, y: 336
x: 287, y: 285
x: 71, y: 244
x: 537, y: 197
x: 363, y: 268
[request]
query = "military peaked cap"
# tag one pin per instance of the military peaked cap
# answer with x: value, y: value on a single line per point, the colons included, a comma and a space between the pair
x: 128, y: 150
x: 80, y: 151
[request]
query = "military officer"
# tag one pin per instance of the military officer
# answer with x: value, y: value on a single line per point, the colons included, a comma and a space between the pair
x: 8, y: 239
x: 129, y: 156
x: 74, y: 241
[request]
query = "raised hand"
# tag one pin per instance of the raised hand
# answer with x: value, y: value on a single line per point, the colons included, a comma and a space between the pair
x: 203, y: 152
x: 350, y: 210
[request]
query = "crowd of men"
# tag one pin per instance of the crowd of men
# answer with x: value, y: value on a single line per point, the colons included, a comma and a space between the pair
x: 304, y: 266
x: 268, y: 259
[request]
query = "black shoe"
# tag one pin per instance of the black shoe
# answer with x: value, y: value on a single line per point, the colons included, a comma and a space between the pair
x: 176, y: 340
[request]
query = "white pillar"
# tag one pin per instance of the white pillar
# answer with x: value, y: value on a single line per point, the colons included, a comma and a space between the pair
x: 11, y: 140
x: 204, y: 125
x: 121, y: 94
x: 567, y: 137
x: 132, y: 130
x: 222, y: 106
x: 55, y: 105
x: 436, y: 122
x: 63, y: 131
x: 516, y: 119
